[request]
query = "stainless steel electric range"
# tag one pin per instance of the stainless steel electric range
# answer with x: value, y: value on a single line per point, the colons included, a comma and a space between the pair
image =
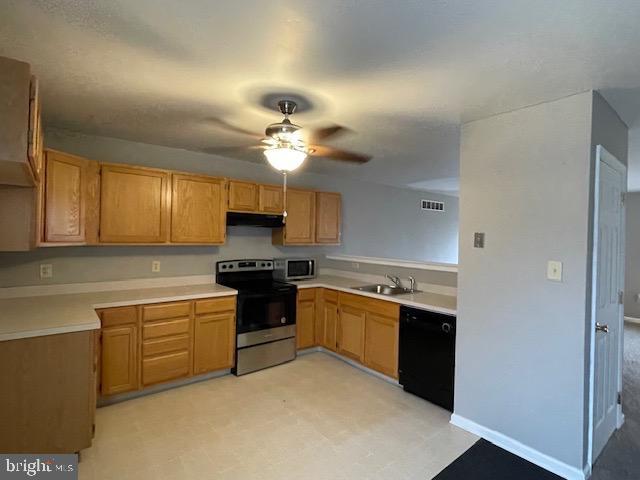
x: 265, y: 315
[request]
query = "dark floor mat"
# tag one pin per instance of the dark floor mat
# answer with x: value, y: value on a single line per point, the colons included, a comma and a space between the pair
x: 485, y: 461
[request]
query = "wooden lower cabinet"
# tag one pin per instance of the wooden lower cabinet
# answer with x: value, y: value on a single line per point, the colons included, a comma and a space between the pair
x: 214, y: 342
x: 306, y: 319
x: 47, y: 402
x: 381, y: 343
x: 361, y: 328
x: 327, y: 318
x: 149, y: 344
x: 119, y: 369
x: 351, y: 324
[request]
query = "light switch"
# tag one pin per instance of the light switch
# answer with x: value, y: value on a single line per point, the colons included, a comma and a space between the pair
x: 554, y: 270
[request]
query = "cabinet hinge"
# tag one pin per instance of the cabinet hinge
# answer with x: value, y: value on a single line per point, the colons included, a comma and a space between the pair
x: 621, y: 297
x: 619, y: 398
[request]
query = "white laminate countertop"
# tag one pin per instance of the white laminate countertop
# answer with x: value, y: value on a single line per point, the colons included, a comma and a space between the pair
x: 35, y: 316
x: 425, y: 300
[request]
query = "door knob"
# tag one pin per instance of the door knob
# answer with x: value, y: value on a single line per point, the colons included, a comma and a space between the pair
x: 602, y: 328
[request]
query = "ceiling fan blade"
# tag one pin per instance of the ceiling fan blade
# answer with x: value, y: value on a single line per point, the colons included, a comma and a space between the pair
x: 220, y: 123
x: 337, y: 154
x: 319, y: 134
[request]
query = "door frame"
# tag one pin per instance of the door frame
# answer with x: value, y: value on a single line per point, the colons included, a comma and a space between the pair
x: 602, y: 155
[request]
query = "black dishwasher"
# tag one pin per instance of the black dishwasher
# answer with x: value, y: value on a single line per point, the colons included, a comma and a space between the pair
x: 427, y: 355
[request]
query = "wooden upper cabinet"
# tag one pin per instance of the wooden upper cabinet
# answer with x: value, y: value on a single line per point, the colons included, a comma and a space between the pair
x: 243, y: 196
x: 133, y: 205
x: 300, y: 228
x: 35, y: 149
x: 270, y: 199
x: 19, y: 119
x: 328, y: 217
x: 65, y: 198
x: 198, y: 209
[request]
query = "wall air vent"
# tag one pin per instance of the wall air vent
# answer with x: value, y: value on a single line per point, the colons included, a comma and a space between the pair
x: 433, y: 205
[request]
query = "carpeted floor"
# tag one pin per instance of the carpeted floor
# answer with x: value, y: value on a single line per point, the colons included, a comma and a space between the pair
x: 620, y: 459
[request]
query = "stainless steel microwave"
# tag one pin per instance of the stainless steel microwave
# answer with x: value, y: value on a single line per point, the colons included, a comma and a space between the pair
x: 288, y: 269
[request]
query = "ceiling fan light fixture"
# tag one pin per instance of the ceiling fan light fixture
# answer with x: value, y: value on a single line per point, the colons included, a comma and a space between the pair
x: 285, y: 159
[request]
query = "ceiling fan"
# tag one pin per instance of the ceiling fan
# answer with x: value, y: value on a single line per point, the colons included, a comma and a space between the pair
x: 286, y: 145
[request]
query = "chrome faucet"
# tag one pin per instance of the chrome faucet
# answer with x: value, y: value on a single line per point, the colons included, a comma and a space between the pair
x: 395, y: 279
x: 412, y: 284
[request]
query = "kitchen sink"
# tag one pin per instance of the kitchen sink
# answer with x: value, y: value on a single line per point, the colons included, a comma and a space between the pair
x: 383, y: 289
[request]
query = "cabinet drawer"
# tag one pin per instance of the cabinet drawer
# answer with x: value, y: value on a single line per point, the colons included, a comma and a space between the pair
x: 118, y: 316
x: 165, y: 310
x: 213, y: 305
x: 165, y: 328
x: 157, y: 346
x: 381, y: 307
x: 330, y: 295
x: 307, y: 294
x: 165, y: 367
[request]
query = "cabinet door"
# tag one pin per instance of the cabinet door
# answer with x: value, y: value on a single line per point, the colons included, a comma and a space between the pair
x: 329, y: 325
x: 198, y: 209
x: 270, y: 199
x: 351, y: 324
x: 133, y: 205
x: 35, y: 130
x: 214, y: 342
x: 119, y: 367
x: 328, y: 217
x: 305, y: 323
x: 243, y: 196
x: 381, y: 344
x: 301, y: 220
x: 65, y: 198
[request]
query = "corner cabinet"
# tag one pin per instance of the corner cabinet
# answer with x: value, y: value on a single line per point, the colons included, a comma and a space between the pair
x: 327, y: 318
x: 133, y: 205
x: 198, y: 209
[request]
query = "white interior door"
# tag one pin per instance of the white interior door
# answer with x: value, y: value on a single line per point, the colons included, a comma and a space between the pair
x: 608, y: 284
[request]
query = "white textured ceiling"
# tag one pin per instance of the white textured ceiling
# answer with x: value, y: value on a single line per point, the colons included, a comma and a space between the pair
x: 402, y: 74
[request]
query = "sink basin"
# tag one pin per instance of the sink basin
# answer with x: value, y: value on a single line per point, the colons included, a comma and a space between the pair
x: 383, y: 289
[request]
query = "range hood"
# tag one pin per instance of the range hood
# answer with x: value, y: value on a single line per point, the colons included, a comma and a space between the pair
x: 254, y: 220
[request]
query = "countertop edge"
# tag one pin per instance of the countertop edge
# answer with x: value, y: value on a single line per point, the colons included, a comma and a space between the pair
x: 173, y: 298
x: 394, y: 299
x: 81, y: 327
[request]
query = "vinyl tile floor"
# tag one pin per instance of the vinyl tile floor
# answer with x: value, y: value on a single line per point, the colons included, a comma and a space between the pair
x: 314, y: 418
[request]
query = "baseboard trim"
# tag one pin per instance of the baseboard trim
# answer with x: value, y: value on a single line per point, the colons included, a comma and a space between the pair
x: 353, y: 363
x: 509, y: 444
x: 632, y: 320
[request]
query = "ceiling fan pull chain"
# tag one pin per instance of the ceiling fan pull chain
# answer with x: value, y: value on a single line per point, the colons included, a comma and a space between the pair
x: 284, y: 198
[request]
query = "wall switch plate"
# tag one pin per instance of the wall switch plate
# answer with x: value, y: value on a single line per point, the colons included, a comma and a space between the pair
x: 355, y: 265
x: 478, y: 240
x: 46, y: 270
x: 155, y: 266
x: 554, y: 271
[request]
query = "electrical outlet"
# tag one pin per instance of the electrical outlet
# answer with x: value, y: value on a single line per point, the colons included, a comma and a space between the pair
x: 355, y: 265
x: 554, y: 271
x: 46, y: 270
x: 155, y: 266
